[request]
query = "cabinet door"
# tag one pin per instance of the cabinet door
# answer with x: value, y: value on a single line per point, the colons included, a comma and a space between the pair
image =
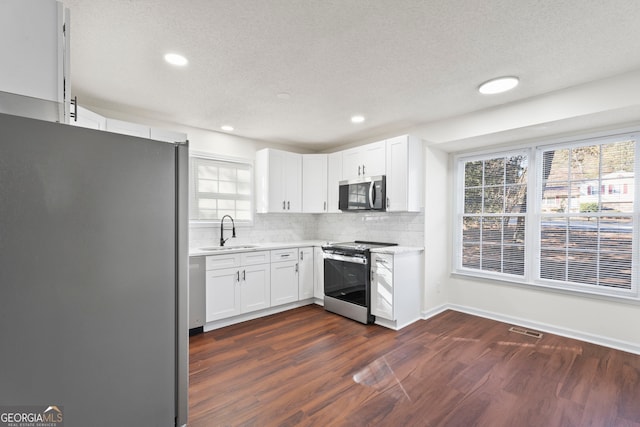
x: 127, y: 128
x: 373, y: 159
x: 88, y: 119
x: 305, y: 274
x: 318, y: 273
x: 255, y: 287
x: 382, y: 291
x: 352, y: 163
x: 284, y: 282
x: 314, y: 183
x: 275, y: 181
x: 292, y: 180
x: 222, y: 293
x: 32, y: 43
x: 397, y: 153
x: 334, y: 176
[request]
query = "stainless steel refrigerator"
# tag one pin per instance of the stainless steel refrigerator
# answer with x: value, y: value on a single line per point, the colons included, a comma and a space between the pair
x: 93, y: 274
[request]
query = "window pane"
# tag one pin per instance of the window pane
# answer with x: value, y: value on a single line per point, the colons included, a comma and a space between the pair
x: 515, y: 199
x: 583, y: 233
x: 473, y: 174
x: 244, y: 188
x: 244, y: 176
x: 494, y: 199
x: 494, y: 172
x: 514, y: 227
x: 217, y: 187
x: 582, y: 267
x: 598, y: 222
x: 514, y: 259
x: 492, y: 230
x: 553, y: 233
x: 471, y: 230
x: 553, y: 265
x: 491, y: 257
x: 227, y: 187
x: 206, y: 186
x: 492, y: 241
x: 615, y: 270
x: 227, y: 174
x: 207, y: 172
x: 471, y: 256
x: 516, y: 170
x: 473, y: 200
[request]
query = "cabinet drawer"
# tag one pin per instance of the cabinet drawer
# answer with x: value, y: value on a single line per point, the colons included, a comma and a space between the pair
x: 284, y: 255
x: 383, y: 261
x: 258, y: 257
x: 216, y: 262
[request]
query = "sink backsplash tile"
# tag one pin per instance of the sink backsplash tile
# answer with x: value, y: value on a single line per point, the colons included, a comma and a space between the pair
x: 406, y: 229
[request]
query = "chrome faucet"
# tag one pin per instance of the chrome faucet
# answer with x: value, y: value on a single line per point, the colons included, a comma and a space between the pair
x: 233, y: 224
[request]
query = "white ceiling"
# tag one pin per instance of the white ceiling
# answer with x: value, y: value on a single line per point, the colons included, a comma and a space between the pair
x: 400, y: 63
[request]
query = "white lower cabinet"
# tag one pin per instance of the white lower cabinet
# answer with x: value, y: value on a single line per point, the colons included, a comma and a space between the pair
x: 284, y: 276
x: 305, y: 273
x: 237, y: 283
x: 396, y: 288
x: 318, y: 273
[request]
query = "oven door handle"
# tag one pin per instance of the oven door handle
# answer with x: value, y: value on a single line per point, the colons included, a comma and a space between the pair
x: 336, y: 257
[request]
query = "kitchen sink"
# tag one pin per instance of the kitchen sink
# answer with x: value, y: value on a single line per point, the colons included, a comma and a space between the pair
x: 228, y: 248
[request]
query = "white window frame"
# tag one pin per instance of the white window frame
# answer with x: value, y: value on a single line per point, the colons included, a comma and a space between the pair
x: 531, y: 275
x: 244, y: 163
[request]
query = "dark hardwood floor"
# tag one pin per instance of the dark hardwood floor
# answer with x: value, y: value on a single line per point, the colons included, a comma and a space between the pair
x: 307, y: 367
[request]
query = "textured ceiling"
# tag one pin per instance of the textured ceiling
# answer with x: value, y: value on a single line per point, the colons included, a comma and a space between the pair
x: 400, y: 63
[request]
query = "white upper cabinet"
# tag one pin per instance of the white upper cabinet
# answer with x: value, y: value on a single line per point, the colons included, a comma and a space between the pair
x: 366, y: 160
x: 314, y: 183
x: 405, y: 174
x: 334, y: 176
x: 128, y: 128
x: 278, y: 181
x: 167, y: 135
x: 35, y: 47
x: 88, y: 119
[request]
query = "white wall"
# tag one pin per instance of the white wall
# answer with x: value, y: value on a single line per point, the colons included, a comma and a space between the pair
x: 597, y: 105
x: 601, y: 320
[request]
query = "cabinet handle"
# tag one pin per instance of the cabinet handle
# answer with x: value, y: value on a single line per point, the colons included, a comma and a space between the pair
x: 358, y: 170
x: 244, y: 275
x: 238, y: 276
x: 289, y: 206
x: 296, y: 267
x: 362, y: 169
x: 301, y: 256
x: 380, y: 261
x: 283, y: 205
x: 325, y: 206
x: 284, y: 255
x: 388, y: 204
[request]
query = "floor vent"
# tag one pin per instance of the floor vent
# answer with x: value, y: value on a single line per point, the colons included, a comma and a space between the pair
x: 527, y: 332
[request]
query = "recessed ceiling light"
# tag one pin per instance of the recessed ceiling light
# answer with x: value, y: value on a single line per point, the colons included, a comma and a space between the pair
x: 499, y: 85
x: 227, y: 128
x: 283, y: 95
x: 175, y: 59
x: 357, y: 119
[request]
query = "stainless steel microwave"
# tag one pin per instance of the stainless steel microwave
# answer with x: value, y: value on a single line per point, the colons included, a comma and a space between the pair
x: 366, y: 194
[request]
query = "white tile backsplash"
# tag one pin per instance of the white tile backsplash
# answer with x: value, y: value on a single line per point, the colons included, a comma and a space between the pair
x: 406, y: 229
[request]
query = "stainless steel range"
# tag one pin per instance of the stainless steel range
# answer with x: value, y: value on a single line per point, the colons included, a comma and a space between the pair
x: 347, y: 279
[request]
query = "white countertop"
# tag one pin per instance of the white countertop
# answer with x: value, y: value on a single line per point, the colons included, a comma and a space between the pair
x: 249, y: 247
x: 298, y: 244
x: 397, y: 249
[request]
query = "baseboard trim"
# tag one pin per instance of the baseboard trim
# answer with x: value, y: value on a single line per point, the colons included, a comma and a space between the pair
x: 544, y: 327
